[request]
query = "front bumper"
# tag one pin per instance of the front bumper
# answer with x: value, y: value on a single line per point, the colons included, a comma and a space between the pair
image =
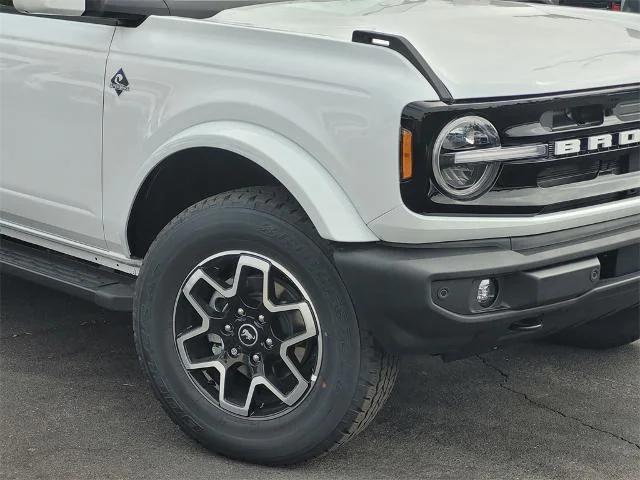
x: 546, y: 283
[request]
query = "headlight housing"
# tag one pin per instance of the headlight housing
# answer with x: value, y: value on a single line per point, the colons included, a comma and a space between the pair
x: 459, y: 178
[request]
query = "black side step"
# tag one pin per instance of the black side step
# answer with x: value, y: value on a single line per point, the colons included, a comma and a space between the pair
x: 106, y: 288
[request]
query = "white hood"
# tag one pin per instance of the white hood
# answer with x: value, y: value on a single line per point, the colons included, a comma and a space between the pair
x: 479, y: 49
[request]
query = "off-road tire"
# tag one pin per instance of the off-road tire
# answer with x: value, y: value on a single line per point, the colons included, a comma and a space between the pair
x: 355, y: 378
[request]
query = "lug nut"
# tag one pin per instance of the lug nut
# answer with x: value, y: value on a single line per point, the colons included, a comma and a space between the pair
x: 261, y: 318
x: 234, y: 352
x: 241, y: 311
x: 227, y: 328
x: 268, y: 342
x: 255, y: 358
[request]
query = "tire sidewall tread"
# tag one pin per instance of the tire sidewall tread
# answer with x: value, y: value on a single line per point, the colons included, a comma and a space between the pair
x: 277, y: 217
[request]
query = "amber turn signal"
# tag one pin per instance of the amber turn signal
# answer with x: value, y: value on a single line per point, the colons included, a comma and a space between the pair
x: 406, y: 155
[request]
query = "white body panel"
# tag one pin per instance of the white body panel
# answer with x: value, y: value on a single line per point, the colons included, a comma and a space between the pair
x: 328, y: 103
x: 480, y: 49
x: 404, y: 226
x: 52, y: 76
x: 284, y: 86
x: 319, y: 194
x: 69, y: 247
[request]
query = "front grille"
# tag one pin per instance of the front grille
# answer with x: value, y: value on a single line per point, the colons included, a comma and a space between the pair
x: 570, y: 172
x: 567, y: 171
x: 591, y: 176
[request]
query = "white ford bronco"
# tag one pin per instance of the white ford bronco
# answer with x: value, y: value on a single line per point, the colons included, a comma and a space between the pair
x: 288, y: 196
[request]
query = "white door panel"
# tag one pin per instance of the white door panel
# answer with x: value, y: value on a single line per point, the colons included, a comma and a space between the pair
x: 51, y: 102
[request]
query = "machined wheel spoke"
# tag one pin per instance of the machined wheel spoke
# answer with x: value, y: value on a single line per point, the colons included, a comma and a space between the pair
x: 240, y: 334
x: 289, y: 399
x: 207, y: 319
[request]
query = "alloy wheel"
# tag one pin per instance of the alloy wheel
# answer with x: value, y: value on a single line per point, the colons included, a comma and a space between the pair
x: 247, y: 335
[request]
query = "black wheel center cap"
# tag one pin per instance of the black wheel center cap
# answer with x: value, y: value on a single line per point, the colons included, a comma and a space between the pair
x: 248, y: 335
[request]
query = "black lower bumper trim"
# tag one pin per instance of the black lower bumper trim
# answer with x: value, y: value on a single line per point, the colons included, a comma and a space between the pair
x: 395, y: 291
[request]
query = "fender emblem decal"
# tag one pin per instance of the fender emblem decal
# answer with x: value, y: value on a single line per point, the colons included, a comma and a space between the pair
x: 120, y: 83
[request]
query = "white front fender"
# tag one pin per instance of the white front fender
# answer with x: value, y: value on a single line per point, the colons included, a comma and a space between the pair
x: 322, y: 198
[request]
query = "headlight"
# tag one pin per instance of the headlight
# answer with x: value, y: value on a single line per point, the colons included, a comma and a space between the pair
x: 465, y: 177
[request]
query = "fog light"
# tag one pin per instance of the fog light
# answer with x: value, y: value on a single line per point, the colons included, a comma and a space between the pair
x: 487, y: 292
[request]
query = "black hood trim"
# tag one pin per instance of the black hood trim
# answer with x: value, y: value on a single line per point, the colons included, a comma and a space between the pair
x: 408, y: 51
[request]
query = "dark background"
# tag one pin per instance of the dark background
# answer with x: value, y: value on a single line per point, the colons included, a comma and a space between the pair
x: 74, y: 405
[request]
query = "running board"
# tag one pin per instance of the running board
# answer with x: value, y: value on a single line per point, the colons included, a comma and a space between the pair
x: 104, y: 287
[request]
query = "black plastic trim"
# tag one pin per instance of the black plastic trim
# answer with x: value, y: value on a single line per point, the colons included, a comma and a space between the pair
x: 129, y: 13
x: 122, y: 13
x: 395, y: 291
x: 106, y: 288
x: 408, y: 51
x: 536, y: 97
x: 112, y: 22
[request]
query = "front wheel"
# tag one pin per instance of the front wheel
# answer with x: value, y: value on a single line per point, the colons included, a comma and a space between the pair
x: 248, y: 335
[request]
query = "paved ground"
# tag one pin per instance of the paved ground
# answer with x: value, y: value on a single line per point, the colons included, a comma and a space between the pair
x: 74, y: 405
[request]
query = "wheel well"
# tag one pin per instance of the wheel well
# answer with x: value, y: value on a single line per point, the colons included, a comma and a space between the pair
x: 182, y: 180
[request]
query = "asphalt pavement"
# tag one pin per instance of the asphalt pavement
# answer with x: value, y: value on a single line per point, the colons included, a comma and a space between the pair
x: 74, y: 405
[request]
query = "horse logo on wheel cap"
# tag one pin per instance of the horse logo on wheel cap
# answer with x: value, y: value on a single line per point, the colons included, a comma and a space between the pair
x: 248, y: 335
